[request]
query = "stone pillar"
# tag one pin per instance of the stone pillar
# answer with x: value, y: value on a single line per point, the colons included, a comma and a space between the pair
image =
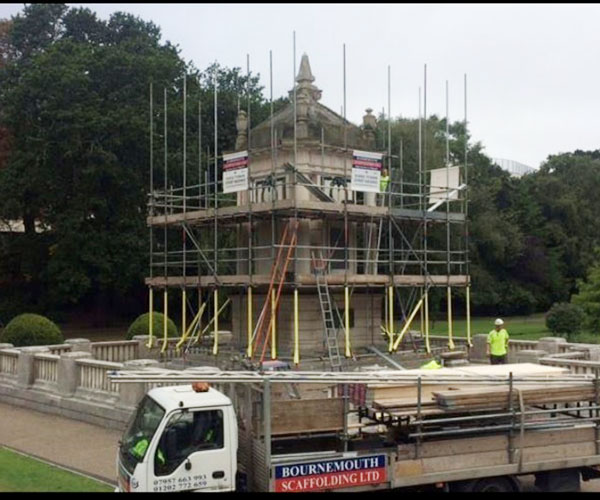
x: 143, y: 351
x: 550, y: 344
x: 67, y: 377
x: 530, y: 356
x: 25, y: 365
x: 130, y: 394
x: 478, y: 351
x: 79, y: 345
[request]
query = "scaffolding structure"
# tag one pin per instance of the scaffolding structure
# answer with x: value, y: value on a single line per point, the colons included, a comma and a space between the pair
x: 309, y: 265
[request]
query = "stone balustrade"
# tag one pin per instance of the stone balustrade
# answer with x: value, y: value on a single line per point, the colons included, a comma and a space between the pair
x: 8, y: 361
x: 118, y: 352
x: 45, y: 368
x: 58, y: 349
x: 93, y: 376
x: 71, y: 379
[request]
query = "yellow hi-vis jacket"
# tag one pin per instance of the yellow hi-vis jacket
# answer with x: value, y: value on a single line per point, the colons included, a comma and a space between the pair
x: 432, y: 365
x: 383, y: 183
x: 498, y: 341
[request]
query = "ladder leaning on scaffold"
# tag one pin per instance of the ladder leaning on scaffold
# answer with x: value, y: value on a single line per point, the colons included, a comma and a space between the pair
x: 330, y: 330
x: 266, y: 320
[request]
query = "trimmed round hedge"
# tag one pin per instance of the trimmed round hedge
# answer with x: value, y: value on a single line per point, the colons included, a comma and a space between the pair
x: 566, y: 318
x: 31, y: 329
x: 140, y: 326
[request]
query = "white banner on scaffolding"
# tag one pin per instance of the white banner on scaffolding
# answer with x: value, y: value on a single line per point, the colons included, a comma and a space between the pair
x: 443, y: 184
x: 366, y: 171
x: 235, y: 172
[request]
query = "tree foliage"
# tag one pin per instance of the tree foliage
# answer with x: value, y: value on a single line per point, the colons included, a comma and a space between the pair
x: 74, y: 106
x: 75, y: 150
x: 588, y: 298
x: 565, y: 318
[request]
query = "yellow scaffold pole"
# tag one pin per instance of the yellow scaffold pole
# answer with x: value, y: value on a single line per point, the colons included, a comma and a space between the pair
x: 422, y: 330
x: 165, y: 318
x: 205, y: 329
x: 150, y: 318
x: 183, y: 316
x: 469, y: 316
x: 427, y: 346
x: 450, y: 339
x: 296, y: 336
x: 408, y: 323
x: 391, y: 317
x: 347, y: 321
x: 249, y: 317
x: 216, y: 320
x: 190, y: 329
x: 274, y: 326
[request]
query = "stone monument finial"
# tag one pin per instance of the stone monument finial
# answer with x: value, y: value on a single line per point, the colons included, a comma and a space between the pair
x: 304, y: 73
x: 369, y: 120
x: 241, y: 124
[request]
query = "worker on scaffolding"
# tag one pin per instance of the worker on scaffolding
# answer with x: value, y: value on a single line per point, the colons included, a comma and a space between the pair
x: 497, y: 343
x: 384, y: 183
x: 434, y: 364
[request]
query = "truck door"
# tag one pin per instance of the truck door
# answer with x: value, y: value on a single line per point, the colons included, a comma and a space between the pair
x: 193, y: 453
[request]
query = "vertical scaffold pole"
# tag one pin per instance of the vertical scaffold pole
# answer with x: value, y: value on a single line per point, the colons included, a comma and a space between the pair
x: 215, y: 256
x: 348, y: 352
x: 427, y: 346
x: 199, y: 150
x: 165, y: 318
x: 296, y: 332
x: 199, y: 307
x: 150, y: 297
x: 389, y: 217
x: 151, y: 317
x: 467, y: 226
x: 449, y: 288
x: 183, y: 234
x: 391, y: 318
x: 274, y: 328
x: 183, y: 312
x: 216, y: 321
x: 249, y: 321
x: 450, y: 326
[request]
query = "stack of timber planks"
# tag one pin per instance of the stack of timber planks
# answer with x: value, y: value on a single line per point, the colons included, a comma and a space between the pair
x: 438, y: 397
x: 484, y: 398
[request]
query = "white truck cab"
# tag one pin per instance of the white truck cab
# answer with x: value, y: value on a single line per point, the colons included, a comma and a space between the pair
x: 179, y: 440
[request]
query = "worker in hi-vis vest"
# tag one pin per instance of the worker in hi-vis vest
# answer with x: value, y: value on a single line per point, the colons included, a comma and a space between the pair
x: 384, y: 182
x: 497, y: 343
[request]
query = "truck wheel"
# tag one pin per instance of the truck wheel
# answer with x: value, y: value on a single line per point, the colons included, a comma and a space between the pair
x: 488, y: 484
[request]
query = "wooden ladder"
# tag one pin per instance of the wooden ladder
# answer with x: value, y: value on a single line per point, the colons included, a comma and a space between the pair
x: 266, y: 319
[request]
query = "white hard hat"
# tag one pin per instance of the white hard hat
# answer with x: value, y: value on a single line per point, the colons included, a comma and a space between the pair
x: 498, y: 322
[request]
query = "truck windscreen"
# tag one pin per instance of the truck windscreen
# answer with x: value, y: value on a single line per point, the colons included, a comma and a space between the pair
x: 140, y: 432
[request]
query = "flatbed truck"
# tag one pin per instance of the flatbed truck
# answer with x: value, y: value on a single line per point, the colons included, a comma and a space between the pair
x: 248, y: 437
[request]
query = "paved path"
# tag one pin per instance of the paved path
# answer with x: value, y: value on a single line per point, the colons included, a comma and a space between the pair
x: 91, y: 449
x: 77, y: 445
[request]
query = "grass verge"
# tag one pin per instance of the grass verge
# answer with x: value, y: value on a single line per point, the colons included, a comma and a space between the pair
x: 19, y: 473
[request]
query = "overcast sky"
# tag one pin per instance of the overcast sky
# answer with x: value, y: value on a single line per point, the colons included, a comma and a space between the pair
x: 533, y: 70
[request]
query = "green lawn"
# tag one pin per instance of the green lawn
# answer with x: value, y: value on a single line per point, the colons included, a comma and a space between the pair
x: 20, y: 473
x: 519, y: 328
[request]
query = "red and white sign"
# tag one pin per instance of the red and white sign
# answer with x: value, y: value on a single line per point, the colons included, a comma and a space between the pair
x: 235, y: 172
x: 366, y: 171
x: 331, y: 474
